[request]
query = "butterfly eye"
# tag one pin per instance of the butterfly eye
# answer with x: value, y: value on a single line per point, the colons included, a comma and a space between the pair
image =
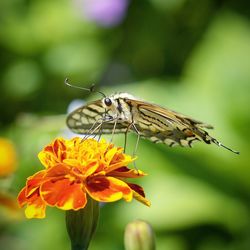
x: 107, y: 102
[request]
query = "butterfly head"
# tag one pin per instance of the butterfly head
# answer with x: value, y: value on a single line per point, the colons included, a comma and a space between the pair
x: 114, y: 100
x: 116, y: 105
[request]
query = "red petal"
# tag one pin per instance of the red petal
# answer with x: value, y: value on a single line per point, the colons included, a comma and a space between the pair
x: 138, y: 194
x: 138, y: 189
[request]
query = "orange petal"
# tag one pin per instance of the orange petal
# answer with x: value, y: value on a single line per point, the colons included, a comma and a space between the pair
x: 110, y: 154
x: 59, y: 170
x: 64, y: 194
x: 119, y: 156
x: 60, y: 147
x: 35, y: 205
x: 72, y: 162
x: 34, y: 182
x: 21, y: 198
x: 35, y: 208
x: 90, y: 168
x: 124, y: 161
x: 48, y: 159
x: 53, y: 153
x: 125, y: 172
x: 108, y: 189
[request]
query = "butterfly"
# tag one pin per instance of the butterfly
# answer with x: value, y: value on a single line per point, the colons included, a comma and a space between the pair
x: 123, y: 113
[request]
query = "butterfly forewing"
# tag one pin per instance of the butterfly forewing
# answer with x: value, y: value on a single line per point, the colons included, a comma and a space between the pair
x: 89, y: 116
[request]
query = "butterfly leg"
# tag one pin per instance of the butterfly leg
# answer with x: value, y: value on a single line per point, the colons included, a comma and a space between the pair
x: 125, y: 141
x: 91, y: 132
x: 113, y: 131
x: 100, y: 132
x: 126, y: 136
x: 93, y: 129
x: 138, y: 138
x: 137, y: 143
x: 98, y: 128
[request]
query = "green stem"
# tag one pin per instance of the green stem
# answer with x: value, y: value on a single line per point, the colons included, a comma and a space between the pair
x: 81, y: 224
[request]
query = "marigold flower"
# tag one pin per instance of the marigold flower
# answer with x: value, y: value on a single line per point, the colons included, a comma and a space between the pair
x: 76, y: 169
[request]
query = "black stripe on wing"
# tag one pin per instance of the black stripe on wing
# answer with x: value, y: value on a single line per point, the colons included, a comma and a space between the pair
x: 89, y: 116
x: 171, y: 137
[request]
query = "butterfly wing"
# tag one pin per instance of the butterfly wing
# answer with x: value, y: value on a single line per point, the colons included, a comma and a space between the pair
x: 86, y: 118
x: 151, y: 121
x: 163, y: 125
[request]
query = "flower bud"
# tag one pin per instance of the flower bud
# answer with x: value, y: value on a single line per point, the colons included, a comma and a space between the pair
x: 139, y: 236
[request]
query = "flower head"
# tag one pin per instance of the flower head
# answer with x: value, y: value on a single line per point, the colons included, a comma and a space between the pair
x: 76, y: 169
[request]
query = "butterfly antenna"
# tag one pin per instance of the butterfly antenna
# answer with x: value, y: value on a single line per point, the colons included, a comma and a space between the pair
x: 223, y: 146
x: 91, y: 89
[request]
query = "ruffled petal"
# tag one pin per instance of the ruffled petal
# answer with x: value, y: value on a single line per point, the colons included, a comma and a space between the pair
x: 110, y: 154
x: 53, y: 153
x: 21, y: 198
x: 64, y: 194
x: 138, y: 194
x: 48, y: 159
x: 35, y: 205
x: 90, y: 168
x: 59, y: 170
x: 35, y: 208
x: 34, y: 182
x: 124, y: 161
x: 108, y: 189
x: 119, y: 156
x: 125, y: 172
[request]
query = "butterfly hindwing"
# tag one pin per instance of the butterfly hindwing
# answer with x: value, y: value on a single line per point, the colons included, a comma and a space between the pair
x: 162, y: 125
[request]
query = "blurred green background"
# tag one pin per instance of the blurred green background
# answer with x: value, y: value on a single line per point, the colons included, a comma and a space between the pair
x: 190, y: 56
